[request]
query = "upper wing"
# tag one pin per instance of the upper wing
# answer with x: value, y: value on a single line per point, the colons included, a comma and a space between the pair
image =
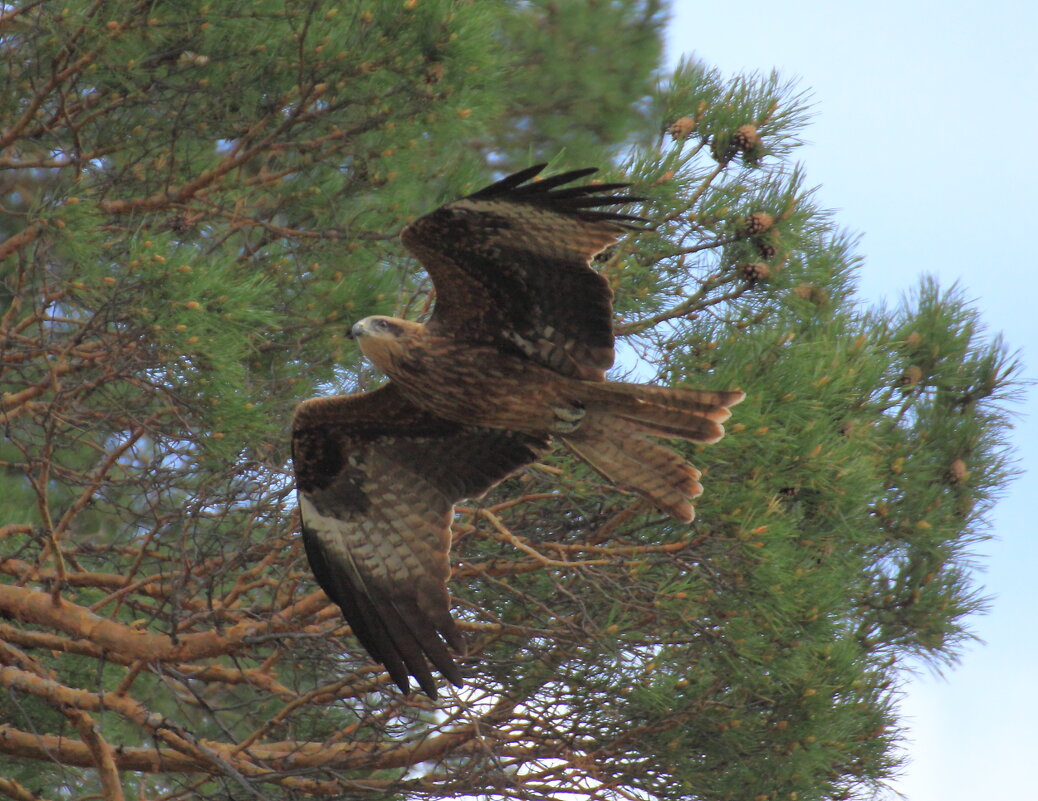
x: 377, y: 479
x: 511, y: 266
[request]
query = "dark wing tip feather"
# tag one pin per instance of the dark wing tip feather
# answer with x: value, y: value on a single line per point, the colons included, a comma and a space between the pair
x: 580, y: 191
x: 365, y: 621
x: 404, y: 641
x: 579, y: 200
x: 547, y: 184
x: 509, y: 182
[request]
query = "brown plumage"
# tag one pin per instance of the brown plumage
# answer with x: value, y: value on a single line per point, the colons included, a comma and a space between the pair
x: 514, y: 354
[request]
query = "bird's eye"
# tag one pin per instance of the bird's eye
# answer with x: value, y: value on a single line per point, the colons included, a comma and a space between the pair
x: 381, y: 325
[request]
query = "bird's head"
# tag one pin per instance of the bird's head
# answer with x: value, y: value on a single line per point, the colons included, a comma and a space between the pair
x: 377, y: 326
x: 382, y: 339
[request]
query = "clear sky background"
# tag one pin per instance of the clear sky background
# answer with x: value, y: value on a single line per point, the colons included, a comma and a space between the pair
x: 923, y: 139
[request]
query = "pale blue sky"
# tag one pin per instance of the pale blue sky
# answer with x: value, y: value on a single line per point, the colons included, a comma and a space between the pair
x: 922, y: 140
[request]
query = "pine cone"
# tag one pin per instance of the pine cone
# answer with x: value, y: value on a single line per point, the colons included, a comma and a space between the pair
x: 722, y: 148
x: 766, y: 246
x: 757, y: 223
x: 911, y: 376
x: 755, y: 271
x: 957, y: 472
x: 681, y: 128
x: 746, y: 138
x: 434, y: 72
x: 812, y: 293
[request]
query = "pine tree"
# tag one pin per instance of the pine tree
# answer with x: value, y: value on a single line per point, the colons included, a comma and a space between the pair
x: 200, y: 198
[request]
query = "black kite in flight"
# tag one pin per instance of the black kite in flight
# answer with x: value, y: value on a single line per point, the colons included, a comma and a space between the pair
x: 513, y: 356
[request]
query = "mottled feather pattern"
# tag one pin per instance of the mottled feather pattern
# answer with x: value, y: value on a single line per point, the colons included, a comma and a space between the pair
x: 514, y: 354
x: 376, y: 499
x: 396, y: 551
x: 695, y: 415
x: 510, y: 265
x: 619, y: 451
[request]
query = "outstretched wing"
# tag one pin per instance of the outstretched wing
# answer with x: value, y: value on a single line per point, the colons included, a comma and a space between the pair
x: 377, y: 480
x: 511, y: 266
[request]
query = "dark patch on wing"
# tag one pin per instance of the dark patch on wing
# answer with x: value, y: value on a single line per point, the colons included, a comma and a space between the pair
x: 511, y: 268
x: 470, y: 461
x: 326, y: 430
x: 377, y: 527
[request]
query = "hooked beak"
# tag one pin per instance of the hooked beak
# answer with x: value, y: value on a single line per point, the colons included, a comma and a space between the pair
x: 354, y: 332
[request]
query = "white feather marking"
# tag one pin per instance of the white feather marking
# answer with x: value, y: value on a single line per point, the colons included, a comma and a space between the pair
x: 523, y: 344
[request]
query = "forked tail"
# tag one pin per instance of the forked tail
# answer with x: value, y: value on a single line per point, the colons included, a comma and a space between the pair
x: 614, y: 438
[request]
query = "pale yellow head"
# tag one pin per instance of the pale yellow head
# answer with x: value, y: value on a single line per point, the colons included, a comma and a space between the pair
x: 384, y: 339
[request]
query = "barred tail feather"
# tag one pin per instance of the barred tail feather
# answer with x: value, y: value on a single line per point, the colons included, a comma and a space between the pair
x: 621, y: 452
x: 695, y: 415
x: 614, y: 438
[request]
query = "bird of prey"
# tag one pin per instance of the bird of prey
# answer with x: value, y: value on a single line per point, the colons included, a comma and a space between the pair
x: 513, y: 357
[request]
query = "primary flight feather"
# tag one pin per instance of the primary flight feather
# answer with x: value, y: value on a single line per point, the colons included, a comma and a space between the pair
x: 513, y: 357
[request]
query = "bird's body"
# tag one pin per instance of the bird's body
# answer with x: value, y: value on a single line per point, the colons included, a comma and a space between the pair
x: 468, y: 383
x: 513, y: 357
